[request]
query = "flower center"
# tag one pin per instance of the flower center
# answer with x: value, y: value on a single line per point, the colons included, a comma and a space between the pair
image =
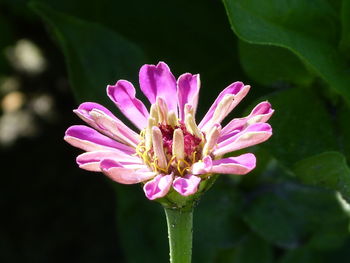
x: 191, y: 142
x: 169, y: 145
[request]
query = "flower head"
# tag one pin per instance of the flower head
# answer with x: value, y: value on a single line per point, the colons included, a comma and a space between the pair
x: 170, y: 152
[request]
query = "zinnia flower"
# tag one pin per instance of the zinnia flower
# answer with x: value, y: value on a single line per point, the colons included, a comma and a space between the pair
x: 170, y: 151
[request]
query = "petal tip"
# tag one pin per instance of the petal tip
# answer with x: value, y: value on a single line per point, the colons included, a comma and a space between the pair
x: 187, y: 185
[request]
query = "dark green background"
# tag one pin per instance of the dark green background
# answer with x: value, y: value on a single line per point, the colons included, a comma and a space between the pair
x: 291, y: 209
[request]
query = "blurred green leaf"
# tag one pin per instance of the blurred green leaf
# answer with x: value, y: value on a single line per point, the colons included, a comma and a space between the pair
x: 343, y: 124
x: 328, y: 238
x: 7, y: 38
x: 340, y: 255
x: 271, y: 64
x: 251, y: 249
x: 6, y: 29
x: 217, y: 222
x: 301, y: 126
x: 190, y: 36
x: 327, y: 170
x: 345, y: 26
x: 141, y: 226
x: 93, y: 11
x: 307, y: 28
x: 269, y: 216
x: 95, y: 55
x: 303, y: 255
x: 288, y: 215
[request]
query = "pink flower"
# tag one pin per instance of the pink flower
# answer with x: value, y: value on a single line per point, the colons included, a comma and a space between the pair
x: 171, y: 151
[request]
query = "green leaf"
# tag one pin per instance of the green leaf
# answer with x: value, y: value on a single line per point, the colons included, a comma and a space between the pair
x: 251, y: 249
x: 327, y: 170
x: 303, y: 255
x: 269, y: 216
x: 7, y: 38
x: 217, y: 223
x: 269, y: 65
x: 288, y: 215
x: 301, y: 126
x: 179, y: 34
x: 345, y: 20
x: 141, y: 226
x: 343, y: 125
x: 95, y: 55
x: 307, y: 28
x: 330, y: 238
x: 340, y: 255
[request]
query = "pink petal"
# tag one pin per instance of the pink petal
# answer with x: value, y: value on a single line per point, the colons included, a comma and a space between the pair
x: 158, y: 187
x: 124, y: 174
x: 234, y: 165
x: 86, y: 107
x: 252, y: 135
x: 186, y: 185
x: 105, y: 122
x: 238, y: 89
x: 123, y: 95
x: 263, y: 110
x: 91, y: 160
x: 202, y: 167
x: 237, y: 126
x: 188, y: 86
x: 261, y: 113
x: 158, y: 81
x: 88, y: 139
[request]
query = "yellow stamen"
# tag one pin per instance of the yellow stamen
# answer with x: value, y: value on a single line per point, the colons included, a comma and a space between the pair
x: 157, y: 167
x: 178, y: 166
x: 194, y: 156
x: 170, y: 161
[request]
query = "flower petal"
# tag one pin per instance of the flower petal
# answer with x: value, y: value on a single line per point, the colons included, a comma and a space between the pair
x: 186, y: 185
x: 211, y: 139
x: 158, y: 81
x: 123, y: 95
x: 124, y: 174
x: 253, y: 134
x: 261, y: 113
x: 238, y: 90
x: 105, y: 122
x: 158, y: 187
x: 202, y: 167
x: 88, y: 139
x: 91, y: 160
x: 241, y: 164
x: 188, y: 86
x: 234, y: 165
x: 86, y: 107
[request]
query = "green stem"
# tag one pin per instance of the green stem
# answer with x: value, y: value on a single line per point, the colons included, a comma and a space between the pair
x: 180, y: 234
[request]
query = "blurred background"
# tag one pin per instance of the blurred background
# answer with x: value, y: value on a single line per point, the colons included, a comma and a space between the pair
x: 56, y: 54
